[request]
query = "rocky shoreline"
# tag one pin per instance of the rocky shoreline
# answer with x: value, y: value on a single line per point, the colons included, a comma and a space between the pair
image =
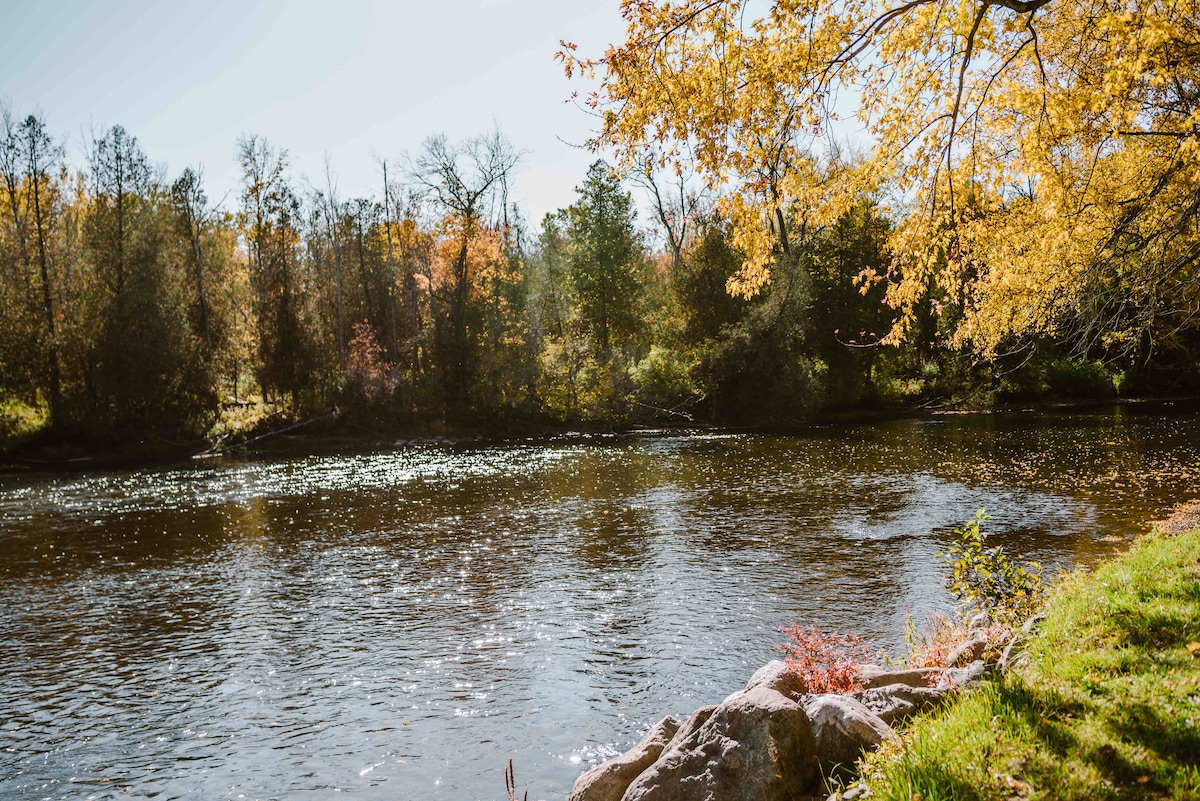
x: 774, y: 741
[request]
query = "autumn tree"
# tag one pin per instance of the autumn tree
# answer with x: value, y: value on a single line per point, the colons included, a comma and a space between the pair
x: 215, y: 279
x: 391, y: 284
x: 328, y: 214
x: 28, y: 159
x: 271, y: 215
x: 676, y: 207
x: 1046, y: 150
x: 465, y: 182
x: 414, y: 247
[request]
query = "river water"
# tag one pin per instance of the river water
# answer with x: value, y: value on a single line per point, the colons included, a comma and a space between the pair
x: 399, y: 624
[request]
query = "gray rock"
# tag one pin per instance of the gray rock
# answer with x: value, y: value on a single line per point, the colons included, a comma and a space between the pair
x: 843, y: 728
x: 697, y: 719
x: 776, y: 675
x: 970, y: 651
x: 958, y: 677
x: 873, y: 676
x: 896, y: 703
x: 756, y: 746
x: 608, y: 781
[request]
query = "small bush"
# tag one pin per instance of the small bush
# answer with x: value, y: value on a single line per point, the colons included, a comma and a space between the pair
x: 986, y: 579
x: 369, y: 377
x: 663, y: 378
x: 931, y: 645
x: 827, y: 662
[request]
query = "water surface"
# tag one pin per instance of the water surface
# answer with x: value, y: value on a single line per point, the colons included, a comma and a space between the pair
x: 397, y: 625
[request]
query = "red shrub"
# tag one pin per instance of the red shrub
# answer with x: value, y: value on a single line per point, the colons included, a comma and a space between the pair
x: 827, y: 662
x: 368, y: 375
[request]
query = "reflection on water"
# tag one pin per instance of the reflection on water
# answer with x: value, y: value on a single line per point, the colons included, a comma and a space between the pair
x: 397, y: 625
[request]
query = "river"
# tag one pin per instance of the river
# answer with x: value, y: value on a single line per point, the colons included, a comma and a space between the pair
x: 398, y: 624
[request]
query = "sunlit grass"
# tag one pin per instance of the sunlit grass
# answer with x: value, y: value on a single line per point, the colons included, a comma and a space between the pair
x: 1107, y: 706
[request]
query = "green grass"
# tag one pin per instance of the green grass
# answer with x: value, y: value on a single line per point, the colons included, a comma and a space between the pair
x: 1107, y: 704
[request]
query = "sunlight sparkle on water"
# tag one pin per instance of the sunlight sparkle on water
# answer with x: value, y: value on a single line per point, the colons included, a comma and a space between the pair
x: 448, y: 608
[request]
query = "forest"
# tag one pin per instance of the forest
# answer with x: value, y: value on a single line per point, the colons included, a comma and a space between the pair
x: 1025, y: 230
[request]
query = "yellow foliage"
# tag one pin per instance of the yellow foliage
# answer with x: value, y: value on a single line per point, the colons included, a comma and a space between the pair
x: 1046, y: 152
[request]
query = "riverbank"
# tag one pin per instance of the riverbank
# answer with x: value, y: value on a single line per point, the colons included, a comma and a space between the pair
x: 1105, y: 702
x: 272, y: 434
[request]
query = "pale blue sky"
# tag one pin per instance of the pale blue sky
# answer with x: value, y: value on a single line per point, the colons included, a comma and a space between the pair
x: 354, y: 79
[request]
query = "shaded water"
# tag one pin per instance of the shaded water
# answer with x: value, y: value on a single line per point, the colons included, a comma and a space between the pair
x: 397, y: 625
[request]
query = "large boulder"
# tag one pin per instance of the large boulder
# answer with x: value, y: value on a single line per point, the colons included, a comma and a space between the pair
x: 757, y: 745
x: 843, y: 728
x: 898, y: 702
x: 608, y: 781
x: 694, y: 722
x: 780, y: 678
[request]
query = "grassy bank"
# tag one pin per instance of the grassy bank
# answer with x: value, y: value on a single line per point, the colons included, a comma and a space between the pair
x: 1105, y: 704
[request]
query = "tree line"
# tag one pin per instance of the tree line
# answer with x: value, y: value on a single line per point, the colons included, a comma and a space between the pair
x: 130, y: 301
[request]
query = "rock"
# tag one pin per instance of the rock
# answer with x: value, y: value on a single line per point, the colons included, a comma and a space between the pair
x: 898, y: 702
x: 756, y: 746
x: 958, y: 677
x: 779, y: 677
x: 970, y: 651
x: 608, y: 781
x: 698, y: 719
x: 843, y: 729
x: 873, y: 676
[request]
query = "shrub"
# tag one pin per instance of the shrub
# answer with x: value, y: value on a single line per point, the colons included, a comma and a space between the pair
x: 986, y: 579
x: 827, y: 662
x: 369, y: 377
x: 663, y: 378
x: 931, y: 645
